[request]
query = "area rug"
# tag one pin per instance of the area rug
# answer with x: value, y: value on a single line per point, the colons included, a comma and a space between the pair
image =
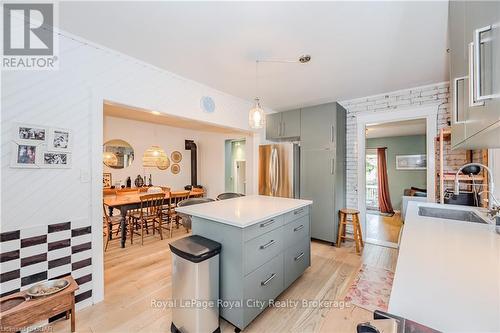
x: 371, y: 288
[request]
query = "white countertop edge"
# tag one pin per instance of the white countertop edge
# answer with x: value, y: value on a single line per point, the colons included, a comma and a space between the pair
x: 245, y: 223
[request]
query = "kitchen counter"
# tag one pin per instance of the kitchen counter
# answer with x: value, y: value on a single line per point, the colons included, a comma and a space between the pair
x: 266, y: 246
x: 448, y: 273
x: 244, y: 211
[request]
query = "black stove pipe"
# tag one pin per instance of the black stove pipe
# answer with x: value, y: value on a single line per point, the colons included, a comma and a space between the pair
x: 190, y: 145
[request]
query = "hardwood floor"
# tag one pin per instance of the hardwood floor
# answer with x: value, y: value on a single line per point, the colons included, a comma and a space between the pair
x: 137, y: 276
x: 383, y: 228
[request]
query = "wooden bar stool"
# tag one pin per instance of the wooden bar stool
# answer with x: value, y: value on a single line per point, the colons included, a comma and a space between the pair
x: 358, y: 237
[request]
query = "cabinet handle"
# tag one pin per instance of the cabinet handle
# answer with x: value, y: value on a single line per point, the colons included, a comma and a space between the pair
x: 265, y: 224
x: 478, y: 64
x: 456, y: 111
x: 298, y: 211
x: 332, y: 166
x: 298, y: 228
x: 472, y: 79
x: 265, y: 246
x: 263, y: 283
x: 299, y: 256
x: 332, y: 134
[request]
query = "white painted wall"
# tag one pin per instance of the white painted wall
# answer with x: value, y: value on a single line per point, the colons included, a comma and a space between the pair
x: 142, y: 135
x: 72, y: 97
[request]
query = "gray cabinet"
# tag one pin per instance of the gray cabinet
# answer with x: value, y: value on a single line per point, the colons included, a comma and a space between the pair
x: 283, y: 125
x: 476, y: 23
x: 322, y: 171
x: 258, y: 262
x: 458, y: 70
x: 273, y: 126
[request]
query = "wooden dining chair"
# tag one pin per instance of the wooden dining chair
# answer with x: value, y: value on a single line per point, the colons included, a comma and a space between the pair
x: 197, y: 193
x: 149, y: 215
x: 110, y: 224
x: 169, y: 209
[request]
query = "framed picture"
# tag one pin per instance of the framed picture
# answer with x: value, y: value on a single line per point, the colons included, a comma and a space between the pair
x: 33, y: 134
x: 106, y: 180
x: 411, y: 162
x: 59, y: 139
x: 25, y: 155
x: 55, y: 160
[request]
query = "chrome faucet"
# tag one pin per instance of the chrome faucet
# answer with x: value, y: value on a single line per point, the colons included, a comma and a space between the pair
x: 491, y: 185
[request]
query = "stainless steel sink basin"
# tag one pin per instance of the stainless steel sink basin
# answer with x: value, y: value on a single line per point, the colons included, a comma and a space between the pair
x: 450, y: 214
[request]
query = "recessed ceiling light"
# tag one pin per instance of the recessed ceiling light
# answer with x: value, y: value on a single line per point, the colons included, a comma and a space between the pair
x: 156, y: 113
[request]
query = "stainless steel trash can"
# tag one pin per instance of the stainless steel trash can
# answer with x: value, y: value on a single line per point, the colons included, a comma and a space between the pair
x: 195, y: 285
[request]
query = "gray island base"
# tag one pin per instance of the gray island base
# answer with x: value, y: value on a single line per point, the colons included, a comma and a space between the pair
x: 265, y: 248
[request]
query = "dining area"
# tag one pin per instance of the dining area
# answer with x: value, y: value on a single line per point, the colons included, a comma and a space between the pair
x: 130, y: 213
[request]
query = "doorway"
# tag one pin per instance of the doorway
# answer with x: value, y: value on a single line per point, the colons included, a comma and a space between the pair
x: 235, y: 166
x: 400, y: 135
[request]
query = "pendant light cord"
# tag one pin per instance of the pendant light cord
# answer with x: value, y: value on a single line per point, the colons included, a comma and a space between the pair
x: 256, y: 78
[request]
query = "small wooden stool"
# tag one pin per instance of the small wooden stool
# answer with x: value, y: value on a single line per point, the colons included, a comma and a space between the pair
x: 358, y: 237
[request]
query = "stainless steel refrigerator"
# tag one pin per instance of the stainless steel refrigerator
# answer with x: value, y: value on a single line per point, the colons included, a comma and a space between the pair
x: 279, y: 173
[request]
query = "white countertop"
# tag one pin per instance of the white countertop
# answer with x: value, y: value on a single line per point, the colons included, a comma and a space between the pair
x: 244, y: 211
x: 448, y: 273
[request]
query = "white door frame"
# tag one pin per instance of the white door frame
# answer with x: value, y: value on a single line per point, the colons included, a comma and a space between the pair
x: 429, y: 113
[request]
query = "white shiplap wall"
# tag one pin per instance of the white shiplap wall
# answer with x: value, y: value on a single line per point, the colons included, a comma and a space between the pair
x: 71, y: 97
x: 65, y: 98
x: 436, y: 94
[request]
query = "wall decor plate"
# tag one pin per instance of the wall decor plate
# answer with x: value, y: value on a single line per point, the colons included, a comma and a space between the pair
x: 176, y: 168
x: 176, y: 156
x: 163, y: 163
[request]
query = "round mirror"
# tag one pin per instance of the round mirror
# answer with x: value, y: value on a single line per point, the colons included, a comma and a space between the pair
x: 117, y: 154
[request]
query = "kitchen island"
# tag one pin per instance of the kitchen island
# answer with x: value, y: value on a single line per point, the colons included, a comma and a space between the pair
x: 265, y: 247
x: 448, y: 272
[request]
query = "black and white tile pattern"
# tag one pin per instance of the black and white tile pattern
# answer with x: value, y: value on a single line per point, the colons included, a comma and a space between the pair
x: 41, y: 253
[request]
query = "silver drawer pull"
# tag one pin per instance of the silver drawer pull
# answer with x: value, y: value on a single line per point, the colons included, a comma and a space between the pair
x: 263, y: 283
x: 262, y: 247
x: 299, y: 256
x: 298, y: 211
x: 298, y: 228
x: 265, y: 224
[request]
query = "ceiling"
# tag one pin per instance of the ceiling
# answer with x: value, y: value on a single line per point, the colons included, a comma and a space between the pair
x: 397, y: 128
x: 357, y: 48
x: 127, y: 112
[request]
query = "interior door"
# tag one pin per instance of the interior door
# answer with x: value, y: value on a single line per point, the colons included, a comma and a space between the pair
x: 240, y: 177
x: 483, y: 30
x: 317, y: 184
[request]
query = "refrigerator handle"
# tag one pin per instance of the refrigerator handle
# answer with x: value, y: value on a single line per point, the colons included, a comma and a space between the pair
x: 277, y: 170
x: 271, y: 171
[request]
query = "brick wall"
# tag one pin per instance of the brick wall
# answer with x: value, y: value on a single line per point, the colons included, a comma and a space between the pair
x: 436, y: 94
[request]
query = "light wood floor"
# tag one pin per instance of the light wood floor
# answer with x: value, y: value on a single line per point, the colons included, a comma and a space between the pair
x: 137, y: 275
x: 384, y: 228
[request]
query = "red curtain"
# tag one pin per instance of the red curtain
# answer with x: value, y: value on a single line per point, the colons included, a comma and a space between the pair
x: 384, y: 198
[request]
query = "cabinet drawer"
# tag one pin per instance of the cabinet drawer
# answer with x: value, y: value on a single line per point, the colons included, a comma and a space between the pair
x: 295, y: 214
x: 261, y: 249
x: 263, y: 284
x: 296, y: 231
x: 262, y: 227
x: 297, y: 259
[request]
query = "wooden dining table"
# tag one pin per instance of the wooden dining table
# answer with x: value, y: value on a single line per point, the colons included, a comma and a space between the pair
x: 126, y: 202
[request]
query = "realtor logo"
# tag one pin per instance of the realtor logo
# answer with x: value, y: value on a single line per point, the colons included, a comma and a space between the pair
x: 28, y: 36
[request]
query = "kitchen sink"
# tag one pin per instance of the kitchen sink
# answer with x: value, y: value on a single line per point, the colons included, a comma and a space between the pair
x: 450, y: 214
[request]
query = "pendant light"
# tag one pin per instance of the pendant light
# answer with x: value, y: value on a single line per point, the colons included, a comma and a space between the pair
x: 256, y: 116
